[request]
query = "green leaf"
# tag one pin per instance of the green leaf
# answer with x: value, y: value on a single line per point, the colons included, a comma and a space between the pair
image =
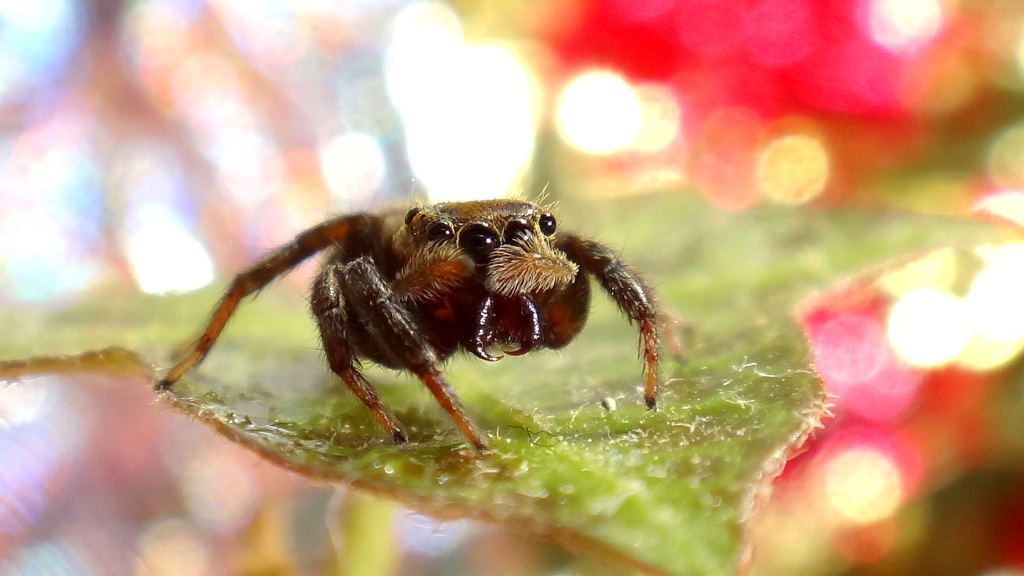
x: 664, y: 492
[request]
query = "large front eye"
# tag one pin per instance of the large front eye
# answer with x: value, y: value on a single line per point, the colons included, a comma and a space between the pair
x: 547, y: 224
x: 518, y: 229
x: 439, y: 232
x: 410, y: 215
x: 477, y: 240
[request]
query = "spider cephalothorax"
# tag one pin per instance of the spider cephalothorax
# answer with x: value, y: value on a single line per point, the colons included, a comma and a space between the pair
x: 492, y: 277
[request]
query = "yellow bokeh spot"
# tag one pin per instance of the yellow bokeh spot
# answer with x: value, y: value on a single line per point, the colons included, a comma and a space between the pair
x: 467, y: 109
x: 1006, y: 157
x: 1019, y: 52
x: 981, y: 354
x: 353, y: 166
x: 928, y: 327
x: 995, y: 300
x: 793, y: 169
x: 171, y: 546
x: 659, y: 118
x: 1007, y: 204
x: 599, y: 112
x: 904, y: 25
x: 937, y: 270
x: 166, y: 258
x: 863, y: 485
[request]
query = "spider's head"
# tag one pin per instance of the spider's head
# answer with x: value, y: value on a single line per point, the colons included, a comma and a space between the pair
x: 510, y: 241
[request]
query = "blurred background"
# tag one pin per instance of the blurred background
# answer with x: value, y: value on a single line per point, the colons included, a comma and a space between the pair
x: 166, y: 143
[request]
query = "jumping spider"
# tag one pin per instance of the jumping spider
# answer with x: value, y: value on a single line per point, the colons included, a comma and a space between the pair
x: 408, y: 292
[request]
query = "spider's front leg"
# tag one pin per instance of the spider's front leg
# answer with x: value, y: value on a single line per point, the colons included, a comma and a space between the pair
x: 632, y: 295
x: 343, y: 231
x: 391, y: 332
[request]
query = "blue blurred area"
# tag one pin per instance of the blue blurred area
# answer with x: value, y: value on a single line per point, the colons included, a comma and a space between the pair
x: 146, y: 140
x: 38, y: 41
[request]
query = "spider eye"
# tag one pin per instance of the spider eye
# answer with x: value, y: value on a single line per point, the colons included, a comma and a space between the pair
x: 410, y: 215
x: 439, y: 232
x: 478, y: 240
x: 518, y: 229
x: 547, y: 224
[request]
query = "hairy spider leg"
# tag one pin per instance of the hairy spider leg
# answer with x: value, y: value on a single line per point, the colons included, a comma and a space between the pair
x: 328, y: 307
x: 274, y: 264
x: 630, y: 293
x: 397, y: 332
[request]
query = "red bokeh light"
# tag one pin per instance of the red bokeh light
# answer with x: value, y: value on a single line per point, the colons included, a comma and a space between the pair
x: 776, y: 60
x: 778, y: 57
x: 858, y: 365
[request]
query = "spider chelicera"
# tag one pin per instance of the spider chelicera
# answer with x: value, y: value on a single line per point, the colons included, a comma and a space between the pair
x: 407, y: 292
